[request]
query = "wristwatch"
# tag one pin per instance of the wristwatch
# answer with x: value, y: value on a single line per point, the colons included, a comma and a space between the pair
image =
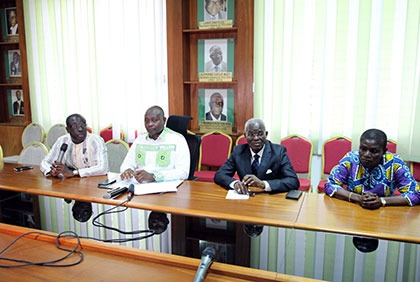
x: 383, y: 201
x: 75, y: 172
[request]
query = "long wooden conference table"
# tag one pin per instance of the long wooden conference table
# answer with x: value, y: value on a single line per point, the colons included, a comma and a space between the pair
x: 109, y: 262
x: 316, y: 212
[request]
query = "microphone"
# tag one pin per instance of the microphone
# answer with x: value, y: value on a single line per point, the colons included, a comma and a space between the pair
x: 63, y: 149
x: 115, y: 192
x: 207, y: 258
x: 130, y: 192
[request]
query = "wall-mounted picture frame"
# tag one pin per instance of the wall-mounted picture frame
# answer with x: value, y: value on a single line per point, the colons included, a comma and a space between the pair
x: 216, y: 59
x: 215, y: 13
x: 16, y: 103
x: 11, y: 21
x: 9, y: 25
x: 13, y: 64
x: 216, y: 109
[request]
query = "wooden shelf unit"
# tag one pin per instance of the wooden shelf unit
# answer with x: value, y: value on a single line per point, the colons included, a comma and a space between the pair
x: 11, y: 127
x: 183, y: 35
x: 183, y: 83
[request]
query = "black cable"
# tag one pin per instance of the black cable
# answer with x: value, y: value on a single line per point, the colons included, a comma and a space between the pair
x: 51, y: 263
x: 96, y: 223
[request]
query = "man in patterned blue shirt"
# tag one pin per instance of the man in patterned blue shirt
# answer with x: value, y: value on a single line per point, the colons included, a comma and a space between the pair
x: 371, y: 175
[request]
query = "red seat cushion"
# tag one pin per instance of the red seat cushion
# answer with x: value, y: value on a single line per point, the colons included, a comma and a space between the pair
x: 205, y: 175
x: 321, y: 186
x: 305, y: 184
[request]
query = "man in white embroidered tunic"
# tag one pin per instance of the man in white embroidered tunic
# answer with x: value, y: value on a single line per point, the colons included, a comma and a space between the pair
x: 160, y: 154
x: 85, y: 155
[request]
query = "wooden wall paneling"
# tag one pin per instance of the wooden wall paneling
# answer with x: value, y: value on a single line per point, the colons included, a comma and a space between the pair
x: 11, y: 139
x: 244, y: 63
x: 174, y: 21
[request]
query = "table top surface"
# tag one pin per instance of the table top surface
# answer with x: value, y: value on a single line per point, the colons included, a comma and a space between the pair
x: 316, y: 212
x: 111, y: 262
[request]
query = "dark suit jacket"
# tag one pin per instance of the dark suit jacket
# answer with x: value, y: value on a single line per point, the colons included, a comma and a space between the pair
x: 208, y: 117
x: 16, y: 106
x: 275, y: 167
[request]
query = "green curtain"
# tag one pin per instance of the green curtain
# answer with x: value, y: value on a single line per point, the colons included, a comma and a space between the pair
x: 327, y: 68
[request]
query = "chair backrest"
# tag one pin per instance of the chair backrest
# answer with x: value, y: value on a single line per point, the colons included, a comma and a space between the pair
x: 33, y: 154
x: 194, y: 142
x: 215, y: 149
x: 117, y: 150
x: 106, y: 134
x: 240, y: 140
x: 55, y: 131
x: 33, y: 132
x: 392, y: 146
x: 180, y: 125
x: 333, y: 150
x: 299, y: 150
x: 415, y: 170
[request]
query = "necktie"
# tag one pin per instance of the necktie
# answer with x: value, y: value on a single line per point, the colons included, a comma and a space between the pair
x: 216, y: 69
x: 255, y: 164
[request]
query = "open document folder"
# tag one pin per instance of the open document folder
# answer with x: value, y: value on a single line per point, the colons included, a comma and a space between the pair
x: 148, y: 188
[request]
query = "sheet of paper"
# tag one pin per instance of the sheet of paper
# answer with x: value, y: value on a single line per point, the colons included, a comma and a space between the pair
x: 148, y: 188
x: 233, y: 195
x: 156, y: 187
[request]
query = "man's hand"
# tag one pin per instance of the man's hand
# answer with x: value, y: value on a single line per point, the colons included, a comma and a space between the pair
x: 143, y: 176
x: 59, y: 168
x: 240, y: 187
x: 251, y: 180
x: 370, y: 201
x: 127, y: 174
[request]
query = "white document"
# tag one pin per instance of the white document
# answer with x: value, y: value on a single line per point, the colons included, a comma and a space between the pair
x: 156, y: 187
x: 233, y: 195
x: 148, y: 188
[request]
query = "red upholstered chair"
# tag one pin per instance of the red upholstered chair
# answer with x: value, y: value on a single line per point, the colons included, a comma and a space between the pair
x: 214, y: 151
x: 240, y: 140
x: 415, y: 170
x: 299, y: 150
x: 333, y: 150
x: 392, y: 146
x: 106, y: 133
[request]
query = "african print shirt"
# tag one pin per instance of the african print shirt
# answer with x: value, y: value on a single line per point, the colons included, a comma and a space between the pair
x: 392, y: 173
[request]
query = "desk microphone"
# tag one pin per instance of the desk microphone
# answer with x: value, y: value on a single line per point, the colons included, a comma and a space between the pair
x: 111, y: 194
x: 130, y: 192
x: 63, y: 149
x: 207, y: 258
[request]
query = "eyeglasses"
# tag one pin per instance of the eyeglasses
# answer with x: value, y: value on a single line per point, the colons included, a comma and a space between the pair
x: 259, y: 134
x: 77, y: 126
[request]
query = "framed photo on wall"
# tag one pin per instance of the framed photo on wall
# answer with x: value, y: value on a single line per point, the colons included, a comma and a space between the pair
x: 16, y: 103
x: 215, y: 13
x: 216, y: 105
x: 11, y: 21
x: 216, y: 59
x: 9, y: 24
x: 13, y: 65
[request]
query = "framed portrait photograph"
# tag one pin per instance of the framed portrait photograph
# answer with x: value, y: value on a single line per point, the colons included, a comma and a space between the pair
x: 216, y: 59
x: 13, y: 65
x: 10, y: 18
x: 216, y: 105
x: 215, y: 13
x: 16, y: 103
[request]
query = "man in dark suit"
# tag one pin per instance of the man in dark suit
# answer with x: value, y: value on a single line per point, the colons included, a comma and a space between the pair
x: 216, y: 107
x: 271, y: 171
x: 18, y: 104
